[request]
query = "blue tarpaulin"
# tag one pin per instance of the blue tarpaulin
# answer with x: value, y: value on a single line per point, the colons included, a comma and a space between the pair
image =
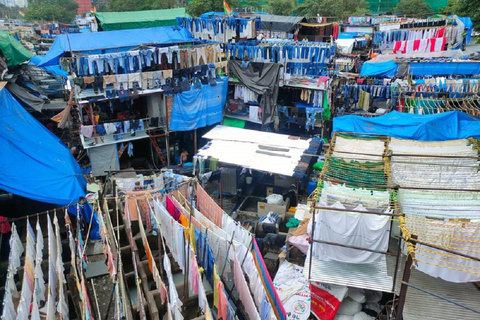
x: 55, y: 70
x: 444, y: 68
x: 379, y: 69
x: 96, y: 41
x: 435, y: 127
x: 469, y: 26
x: 199, y: 108
x: 35, y: 164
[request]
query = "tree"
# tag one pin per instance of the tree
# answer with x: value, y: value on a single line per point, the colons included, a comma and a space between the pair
x: 465, y: 8
x: 337, y: 9
x: 281, y: 7
x: 452, y: 7
x: 52, y: 10
x: 413, y: 8
x: 197, y: 7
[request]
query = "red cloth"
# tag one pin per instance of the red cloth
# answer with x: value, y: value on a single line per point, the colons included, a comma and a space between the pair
x: 5, y: 225
x: 440, y: 32
x: 172, y: 209
x: 416, y: 45
x: 398, y: 45
x: 432, y: 44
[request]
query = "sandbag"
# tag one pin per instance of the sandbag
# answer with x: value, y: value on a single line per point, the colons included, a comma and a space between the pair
x: 357, y: 295
x: 349, y: 307
x: 275, y: 199
x: 342, y: 317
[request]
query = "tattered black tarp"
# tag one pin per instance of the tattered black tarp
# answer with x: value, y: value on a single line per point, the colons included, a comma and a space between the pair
x: 28, y: 98
x: 279, y: 23
x: 261, y: 78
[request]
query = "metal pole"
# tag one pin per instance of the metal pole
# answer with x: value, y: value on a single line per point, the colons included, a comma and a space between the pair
x: 357, y: 211
x: 353, y: 247
x: 403, y: 289
x: 226, y: 258
x: 396, y: 264
x: 312, y: 243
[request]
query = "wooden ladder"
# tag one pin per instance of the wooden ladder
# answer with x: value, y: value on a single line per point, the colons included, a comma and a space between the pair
x: 158, y: 150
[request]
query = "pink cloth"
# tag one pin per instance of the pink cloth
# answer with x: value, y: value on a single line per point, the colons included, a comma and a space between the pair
x: 194, y: 273
x: 300, y: 242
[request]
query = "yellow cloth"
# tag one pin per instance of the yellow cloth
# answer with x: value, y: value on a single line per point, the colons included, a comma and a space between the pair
x: 184, y: 222
x: 192, y: 237
x: 216, y: 280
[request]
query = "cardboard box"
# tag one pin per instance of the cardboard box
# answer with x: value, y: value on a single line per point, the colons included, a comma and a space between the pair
x: 269, y: 191
x: 264, y: 208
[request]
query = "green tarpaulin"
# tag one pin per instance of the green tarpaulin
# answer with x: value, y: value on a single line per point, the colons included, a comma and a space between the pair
x: 139, y: 19
x: 14, y: 52
x: 236, y: 123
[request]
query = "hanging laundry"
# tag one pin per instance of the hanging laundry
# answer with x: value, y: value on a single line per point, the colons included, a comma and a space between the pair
x: 39, y: 281
x: 243, y: 291
x: 62, y: 306
x: 52, y: 271
x: 16, y: 251
x: 172, y: 232
x: 175, y: 303
x: 23, y: 309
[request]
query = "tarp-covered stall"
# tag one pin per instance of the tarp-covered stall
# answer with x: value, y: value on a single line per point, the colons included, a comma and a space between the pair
x: 14, y: 52
x: 450, y: 125
x: 139, y: 19
x: 199, y: 107
x: 35, y: 163
x: 103, y: 41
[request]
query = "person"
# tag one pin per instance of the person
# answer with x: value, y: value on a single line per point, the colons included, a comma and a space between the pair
x: 183, y: 156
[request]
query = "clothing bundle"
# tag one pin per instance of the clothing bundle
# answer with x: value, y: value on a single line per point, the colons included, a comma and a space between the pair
x: 34, y: 293
x: 127, y: 86
x: 423, y: 45
x: 117, y: 128
x: 221, y: 29
x: 305, y: 68
x: 363, y: 95
x: 317, y: 52
x: 201, y: 246
x: 390, y: 36
x: 137, y: 60
x: 245, y: 94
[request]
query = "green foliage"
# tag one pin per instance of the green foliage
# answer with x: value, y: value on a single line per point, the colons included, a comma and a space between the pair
x: 197, y: 7
x: 281, y: 7
x: 338, y: 9
x: 417, y: 8
x: 452, y: 7
x: 464, y: 8
x: 52, y: 10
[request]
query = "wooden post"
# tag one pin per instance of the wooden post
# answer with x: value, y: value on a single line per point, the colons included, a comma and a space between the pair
x: 403, y: 289
x: 195, y: 142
